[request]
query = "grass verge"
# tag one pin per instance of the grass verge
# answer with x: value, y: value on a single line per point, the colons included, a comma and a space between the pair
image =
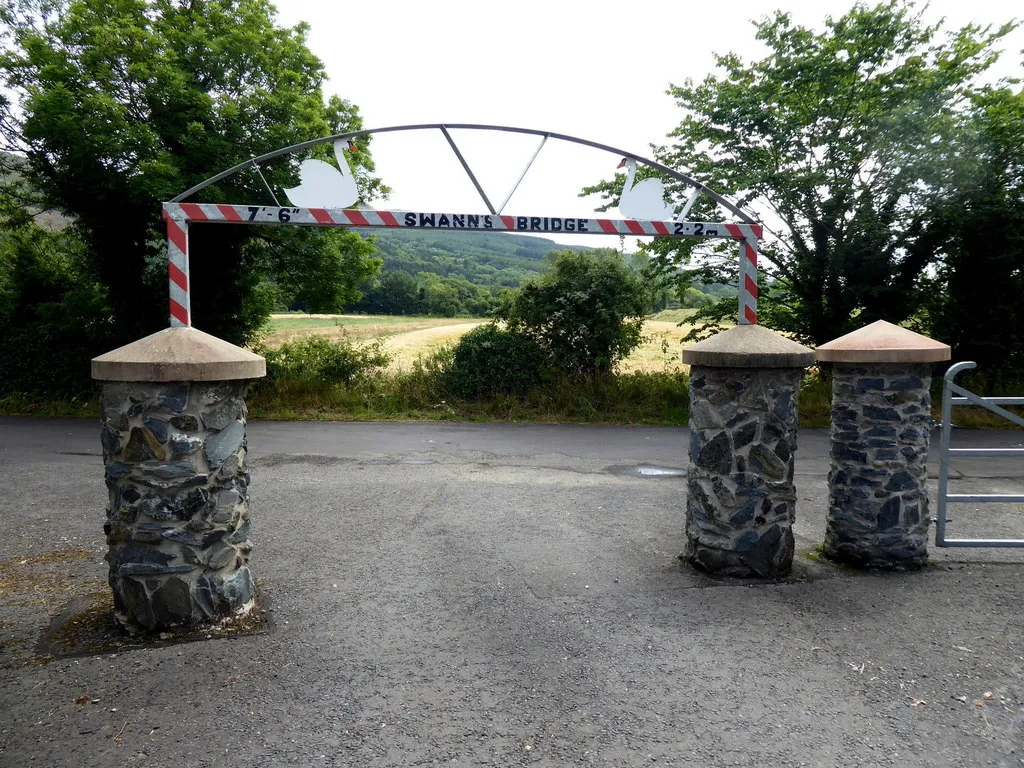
x: 632, y: 398
x: 18, y: 404
x: 402, y: 378
x: 636, y: 397
x: 815, y: 402
x: 283, y: 328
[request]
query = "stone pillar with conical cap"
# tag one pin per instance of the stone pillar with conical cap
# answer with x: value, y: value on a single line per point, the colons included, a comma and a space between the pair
x: 741, y: 501
x: 881, y: 419
x: 173, y: 432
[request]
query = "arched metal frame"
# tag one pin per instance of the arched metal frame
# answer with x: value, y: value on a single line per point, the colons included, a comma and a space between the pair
x: 181, y: 215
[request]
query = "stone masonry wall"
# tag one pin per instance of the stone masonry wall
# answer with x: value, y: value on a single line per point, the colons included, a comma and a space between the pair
x: 878, y: 496
x: 741, y: 500
x: 178, y: 515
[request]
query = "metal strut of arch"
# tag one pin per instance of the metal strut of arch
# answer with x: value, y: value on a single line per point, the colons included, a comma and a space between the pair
x: 180, y: 215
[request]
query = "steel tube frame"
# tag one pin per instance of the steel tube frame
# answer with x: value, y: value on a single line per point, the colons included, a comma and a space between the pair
x: 670, y: 172
x: 750, y: 238
x: 468, y: 170
x: 949, y: 386
x: 526, y: 170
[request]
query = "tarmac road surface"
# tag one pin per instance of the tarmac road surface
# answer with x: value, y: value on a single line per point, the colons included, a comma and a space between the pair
x: 502, y: 595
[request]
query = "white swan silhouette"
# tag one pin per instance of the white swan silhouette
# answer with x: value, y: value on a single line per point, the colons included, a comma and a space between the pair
x: 321, y: 185
x: 646, y: 200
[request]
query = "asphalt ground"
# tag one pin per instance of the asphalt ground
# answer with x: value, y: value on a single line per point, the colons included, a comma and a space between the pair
x: 503, y: 594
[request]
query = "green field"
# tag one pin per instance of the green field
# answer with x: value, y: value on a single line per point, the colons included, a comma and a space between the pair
x: 648, y: 390
x: 282, y: 328
x: 406, y: 337
x: 290, y: 321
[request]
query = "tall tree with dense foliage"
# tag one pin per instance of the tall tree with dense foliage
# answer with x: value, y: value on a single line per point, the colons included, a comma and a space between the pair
x: 53, y: 311
x: 841, y: 139
x: 975, y: 303
x: 123, y: 104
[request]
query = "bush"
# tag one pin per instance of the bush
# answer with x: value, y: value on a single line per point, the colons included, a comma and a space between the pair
x: 53, y: 312
x: 320, y: 359
x: 585, y: 311
x: 490, y: 360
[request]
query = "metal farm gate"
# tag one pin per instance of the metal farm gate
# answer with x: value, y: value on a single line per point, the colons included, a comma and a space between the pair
x: 994, y: 404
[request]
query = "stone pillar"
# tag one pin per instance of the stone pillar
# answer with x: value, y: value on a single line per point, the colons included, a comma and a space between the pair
x: 173, y: 433
x: 881, y: 419
x: 741, y: 502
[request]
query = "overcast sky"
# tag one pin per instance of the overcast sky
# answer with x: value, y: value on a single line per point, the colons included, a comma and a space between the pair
x: 591, y: 70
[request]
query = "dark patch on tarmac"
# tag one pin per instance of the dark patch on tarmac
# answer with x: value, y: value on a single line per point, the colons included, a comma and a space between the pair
x: 87, y: 627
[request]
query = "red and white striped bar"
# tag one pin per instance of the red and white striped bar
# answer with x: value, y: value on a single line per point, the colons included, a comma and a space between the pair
x: 180, y: 215
x: 347, y: 217
x: 177, y: 271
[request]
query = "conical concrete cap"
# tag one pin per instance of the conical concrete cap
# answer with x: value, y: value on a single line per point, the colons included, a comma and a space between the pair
x: 748, y: 346
x: 178, y: 354
x: 883, y: 342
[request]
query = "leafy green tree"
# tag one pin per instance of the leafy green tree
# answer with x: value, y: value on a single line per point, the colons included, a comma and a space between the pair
x: 396, y: 292
x: 122, y: 104
x: 392, y: 292
x: 840, y: 138
x: 693, y: 298
x: 975, y: 302
x: 437, y: 295
x: 586, y: 310
x: 52, y: 308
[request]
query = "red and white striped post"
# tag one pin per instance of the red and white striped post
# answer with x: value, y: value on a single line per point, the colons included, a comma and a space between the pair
x: 748, y: 281
x: 177, y: 272
x: 748, y: 235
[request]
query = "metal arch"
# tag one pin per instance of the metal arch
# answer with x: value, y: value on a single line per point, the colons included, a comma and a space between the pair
x: 745, y: 217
